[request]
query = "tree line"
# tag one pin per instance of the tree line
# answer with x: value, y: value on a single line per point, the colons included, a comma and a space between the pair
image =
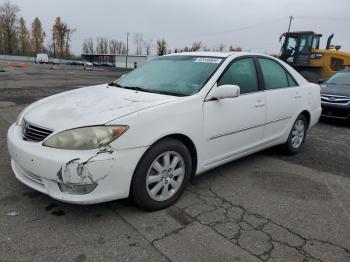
x: 17, y: 39
x: 103, y: 45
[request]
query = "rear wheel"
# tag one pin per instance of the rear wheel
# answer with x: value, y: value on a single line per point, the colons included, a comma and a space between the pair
x: 161, y: 175
x: 297, y: 135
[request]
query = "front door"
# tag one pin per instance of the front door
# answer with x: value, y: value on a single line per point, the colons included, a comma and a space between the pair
x: 233, y: 126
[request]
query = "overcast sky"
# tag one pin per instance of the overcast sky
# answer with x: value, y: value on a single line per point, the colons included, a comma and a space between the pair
x: 252, y: 24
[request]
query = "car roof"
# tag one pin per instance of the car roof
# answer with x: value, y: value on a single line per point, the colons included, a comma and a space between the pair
x: 213, y: 54
x: 203, y: 53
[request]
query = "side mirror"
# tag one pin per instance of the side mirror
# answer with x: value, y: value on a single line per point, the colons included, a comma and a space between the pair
x: 225, y: 91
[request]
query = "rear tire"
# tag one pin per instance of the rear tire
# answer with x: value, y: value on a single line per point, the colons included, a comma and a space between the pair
x: 161, y: 175
x: 297, y: 135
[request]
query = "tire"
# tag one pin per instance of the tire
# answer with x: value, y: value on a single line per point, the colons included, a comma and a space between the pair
x: 297, y: 135
x: 155, y: 174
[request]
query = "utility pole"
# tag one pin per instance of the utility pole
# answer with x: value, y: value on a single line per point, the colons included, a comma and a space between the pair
x: 127, y: 50
x: 290, y: 22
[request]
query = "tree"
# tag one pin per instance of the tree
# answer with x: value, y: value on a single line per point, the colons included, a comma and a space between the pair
x: 196, y: 46
x: 88, y: 46
x: 147, y: 45
x: 61, y: 38
x: 23, y: 38
x: 8, y: 20
x: 38, y: 36
x: 235, y: 49
x: 161, y: 47
x: 117, y: 47
x: 102, y: 45
x: 205, y: 48
x: 138, y: 40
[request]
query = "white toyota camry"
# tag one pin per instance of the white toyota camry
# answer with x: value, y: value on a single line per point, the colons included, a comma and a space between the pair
x: 147, y: 133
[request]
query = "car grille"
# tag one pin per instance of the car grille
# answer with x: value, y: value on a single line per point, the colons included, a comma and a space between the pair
x: 335, y: 99
x: 33, y: 132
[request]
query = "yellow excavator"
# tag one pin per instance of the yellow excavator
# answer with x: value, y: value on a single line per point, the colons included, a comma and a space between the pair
x: 301, y: 50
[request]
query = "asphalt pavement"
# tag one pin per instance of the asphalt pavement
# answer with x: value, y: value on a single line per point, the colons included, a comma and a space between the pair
x: 264, y: 207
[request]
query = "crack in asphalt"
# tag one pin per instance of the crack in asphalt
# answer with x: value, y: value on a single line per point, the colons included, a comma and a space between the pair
x: 140, y: 233
x: 218, y: 204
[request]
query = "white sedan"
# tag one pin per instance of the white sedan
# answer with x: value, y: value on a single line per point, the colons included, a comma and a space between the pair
x: 147, y: 133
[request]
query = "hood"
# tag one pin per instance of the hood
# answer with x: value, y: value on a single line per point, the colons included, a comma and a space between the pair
x: 87, y: 106
x: 339, y: 90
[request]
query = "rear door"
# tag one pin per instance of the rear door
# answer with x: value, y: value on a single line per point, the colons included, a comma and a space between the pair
x: 283, y: 98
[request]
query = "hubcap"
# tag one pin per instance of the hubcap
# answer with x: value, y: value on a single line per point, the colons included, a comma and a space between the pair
x: 165, y: 176
x: 298, y: 133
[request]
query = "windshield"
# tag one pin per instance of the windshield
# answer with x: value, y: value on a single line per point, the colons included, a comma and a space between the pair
x: 341, y: 78
x: 176, y: 75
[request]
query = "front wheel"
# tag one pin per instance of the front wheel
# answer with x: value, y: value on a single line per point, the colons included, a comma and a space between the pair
x: 161, y: 175
x: 297, y: 135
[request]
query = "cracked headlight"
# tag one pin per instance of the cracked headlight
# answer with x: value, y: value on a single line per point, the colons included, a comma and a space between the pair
x: 85, y: 138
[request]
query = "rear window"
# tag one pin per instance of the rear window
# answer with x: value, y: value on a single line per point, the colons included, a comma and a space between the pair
x: 275, y: 76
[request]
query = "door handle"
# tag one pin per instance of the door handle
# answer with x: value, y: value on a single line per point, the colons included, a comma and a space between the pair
x: 259, y: 104
x: 297, y: 96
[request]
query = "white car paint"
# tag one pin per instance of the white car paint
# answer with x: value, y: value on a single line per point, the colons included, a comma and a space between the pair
x: 262, y: 119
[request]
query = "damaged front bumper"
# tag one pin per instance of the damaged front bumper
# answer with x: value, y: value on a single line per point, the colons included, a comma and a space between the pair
x: 74, y: 176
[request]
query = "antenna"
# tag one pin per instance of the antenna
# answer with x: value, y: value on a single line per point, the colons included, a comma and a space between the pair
x: 290, y: 22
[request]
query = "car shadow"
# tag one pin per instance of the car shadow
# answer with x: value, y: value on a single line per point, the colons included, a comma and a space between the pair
x: 335, y: 122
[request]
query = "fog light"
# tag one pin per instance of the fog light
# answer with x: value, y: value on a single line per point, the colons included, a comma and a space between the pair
x: 77, y: 189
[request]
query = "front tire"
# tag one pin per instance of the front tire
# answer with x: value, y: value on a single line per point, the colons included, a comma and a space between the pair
x: 297, y: 135
x: 161, y: 175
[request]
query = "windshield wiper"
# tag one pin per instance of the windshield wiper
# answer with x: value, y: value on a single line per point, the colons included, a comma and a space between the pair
x: 136, y: 88
x: 114, y: 84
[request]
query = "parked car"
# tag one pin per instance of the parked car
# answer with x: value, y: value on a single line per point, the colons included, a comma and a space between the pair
x: 107, y: 64
x: 56, y: 62
x: 336, y: 96
x: 72, y: 62
x: 148, y: 132
x: 95, y: 64
x: 42, y: 58
x: 87, y: 63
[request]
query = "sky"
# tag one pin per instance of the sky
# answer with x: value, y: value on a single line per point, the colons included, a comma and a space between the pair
x: 254, y: 25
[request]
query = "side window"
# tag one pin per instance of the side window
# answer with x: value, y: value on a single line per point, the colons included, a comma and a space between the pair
x: 241, y: 73
x: 291, y: 81
x: 275, y: 76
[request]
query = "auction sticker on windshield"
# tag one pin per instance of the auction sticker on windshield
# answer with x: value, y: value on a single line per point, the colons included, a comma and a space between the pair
x: 207, y: 60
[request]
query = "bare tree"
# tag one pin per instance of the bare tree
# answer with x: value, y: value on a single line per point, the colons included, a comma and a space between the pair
x: 102, y: 45
x: 221, y: 47
x: 38, y: 36
x: 138, y: 40
x: 196, y: 46
x: 8, y: 20
x: 117, y: 47
x: 161, y: 47
x: 113, y: 46
x: 88, y: 46
x: 147, y: 45
x: 235, y: 49
x: 205, y: 48
x: 23, y: 38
